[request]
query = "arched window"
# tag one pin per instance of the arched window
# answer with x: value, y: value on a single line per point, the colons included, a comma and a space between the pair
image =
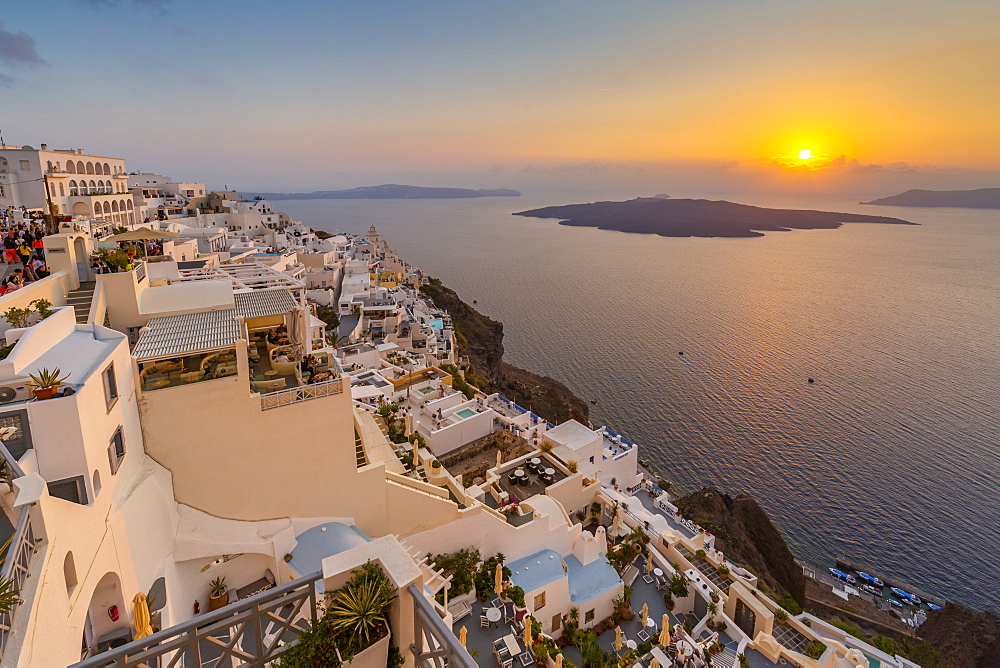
x: 71, y: 167
x: 114, y: 207
x: 107, y: 169
x: 49, y: 165
x: 129, y: 202
x: 90, y: 168
x: 80, y: 169
x: 93, y: 188
x: 97, y: 483
x: 130, y: 218
x: 72, y: 188
x: 69, y: 573
x: 121, y: 205
x: 107, y: 208
x: 62, y: 191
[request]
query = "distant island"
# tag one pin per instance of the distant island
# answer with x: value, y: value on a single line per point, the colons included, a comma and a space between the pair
x: 697, y: 217
x: 983, y: 198
x: 392, y: 191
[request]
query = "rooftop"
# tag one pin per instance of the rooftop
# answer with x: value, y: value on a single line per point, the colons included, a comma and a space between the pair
x: 247, y: 276
x: 537, y: 570
x: 174, y: 335
x: 590, y: 581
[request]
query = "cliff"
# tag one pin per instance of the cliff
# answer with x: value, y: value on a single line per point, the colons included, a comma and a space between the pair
x: 983, y: 198
x: 962, y: 636
x: 480, y: 338
x: 698, y: 217
x: 745, y: 533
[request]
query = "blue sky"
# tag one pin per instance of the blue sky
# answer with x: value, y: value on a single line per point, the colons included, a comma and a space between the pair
x: 330, y: 94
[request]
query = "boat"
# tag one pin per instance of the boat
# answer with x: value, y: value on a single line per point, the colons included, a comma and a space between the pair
x: 870, y: 579
x: 896, y: 603
x: 871, y: 590
x: 907, y: 597
x: 933, y: 606
x: 841, y: 575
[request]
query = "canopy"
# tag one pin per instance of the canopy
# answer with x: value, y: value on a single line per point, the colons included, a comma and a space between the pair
x: 143, y: 234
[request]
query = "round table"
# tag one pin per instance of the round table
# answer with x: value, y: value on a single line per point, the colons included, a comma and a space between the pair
x: 272, y: 372
x: 631, y: 644
x: 157, y: 384
x: 550, y: 471
x: 657, y: 572
x: 493, y: 614
x: 651, y: 623
x: 519, y: 473
x: 536, y: 461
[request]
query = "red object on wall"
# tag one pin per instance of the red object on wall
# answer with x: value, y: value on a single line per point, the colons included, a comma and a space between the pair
x: 113, y: 613
x: 197, y: 607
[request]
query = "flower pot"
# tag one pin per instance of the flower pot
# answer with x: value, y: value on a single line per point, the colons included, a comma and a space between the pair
x: 43, y: 393
x: 216, y: 602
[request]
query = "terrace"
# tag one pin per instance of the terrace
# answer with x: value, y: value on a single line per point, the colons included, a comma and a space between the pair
x: 538, y: 473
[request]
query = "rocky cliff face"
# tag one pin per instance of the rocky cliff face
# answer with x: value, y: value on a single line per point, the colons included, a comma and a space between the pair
x: 480, y: 338
x: 964, y: 637
x: 745, y: 533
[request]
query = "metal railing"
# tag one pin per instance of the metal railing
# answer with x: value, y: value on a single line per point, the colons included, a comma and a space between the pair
x: 17, y: 559
x: 251, y: 633
x: 140, y: 271
x: 435, y: 646
x: 302, y: 393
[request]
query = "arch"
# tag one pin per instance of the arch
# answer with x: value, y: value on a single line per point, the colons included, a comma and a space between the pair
x: 114, y: 206
x: 107, y: 169
x: 131, y: 217
x: 62, y: 191
x: 121, y: 206
x: 80, y: 169
x: 81, y: 209
x: 108, y: 593
x: 90, y: 168
x: 97, y: 209
x: 73, y: 190
x: 129, y: 202
x: 93, y: 187
x: 71, y: 167
x: 69, y: 573
x: 97, y: 483
x: 107, y: 208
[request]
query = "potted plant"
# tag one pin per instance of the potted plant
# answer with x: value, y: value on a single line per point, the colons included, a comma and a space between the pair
x: 701, y: 554
x: 714, y: 597
x: 572, y: 466
x: 713, y: 610
x: 217, y: 593
x: 46, y: 383
x: 781, y: 616
x: 516, y: 595
x: 724, y: 571
x: 668, y: 600
x: 815, y: 649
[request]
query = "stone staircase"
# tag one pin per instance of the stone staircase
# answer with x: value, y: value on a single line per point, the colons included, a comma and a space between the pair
x: 80, y: 300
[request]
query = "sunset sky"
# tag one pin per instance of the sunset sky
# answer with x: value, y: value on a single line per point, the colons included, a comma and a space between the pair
x: 307, y: 95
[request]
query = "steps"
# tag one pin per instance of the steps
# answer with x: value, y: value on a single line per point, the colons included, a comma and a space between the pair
x: 80, y: 300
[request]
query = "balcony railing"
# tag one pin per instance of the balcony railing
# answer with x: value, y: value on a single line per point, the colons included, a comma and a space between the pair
x: 17, y: 559
x: 435, y: 646
x: 252, y: 633
x: 302, y: 393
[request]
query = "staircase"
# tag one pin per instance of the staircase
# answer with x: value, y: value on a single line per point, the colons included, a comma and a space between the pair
x: 80, y: 300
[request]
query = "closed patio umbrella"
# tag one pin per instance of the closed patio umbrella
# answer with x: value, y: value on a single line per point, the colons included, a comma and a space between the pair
x: 527, y: 633
x: 614, y: 526
x: 499, y: 458
x: 140, y: 617
x: 645, y: 614
x: 498, y: 581
x: 559, y: 660
x: 649, y: 565
x: 654, y: 664
x: 665, y: 631
x: 462, y: 633
x: 618, y: 639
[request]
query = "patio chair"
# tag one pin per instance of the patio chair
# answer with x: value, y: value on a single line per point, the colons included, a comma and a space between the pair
x: 507, y: 662
x: 497, y: 602
x: 508, y: 613
x: 500, y: 647
x: 527, y: 658
x: 661, y: 584
x: 484, y: 622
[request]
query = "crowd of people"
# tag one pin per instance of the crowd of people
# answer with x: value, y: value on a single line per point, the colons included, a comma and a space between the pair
x: 23, y: 250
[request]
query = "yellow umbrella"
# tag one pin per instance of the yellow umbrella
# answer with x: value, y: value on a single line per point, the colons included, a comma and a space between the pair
x: 499, y: 458
x: 140, y: 617
x: 614, y: 526
x: 649, y: 565
x: 645, y: 614
x: 462, y: 632
x: 527, y: 633
x: 559, y: 660
x: 498, y: 582
x: 654, y: 664
x: 618, y: 639
x: 665, y: 631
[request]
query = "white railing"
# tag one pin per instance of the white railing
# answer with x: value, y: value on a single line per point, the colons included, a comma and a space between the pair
x: 17, y: 559
x: 302, y: 393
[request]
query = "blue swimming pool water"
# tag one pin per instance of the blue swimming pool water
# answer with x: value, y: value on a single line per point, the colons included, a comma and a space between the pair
x: 437, y: 323
x: 465, y: 413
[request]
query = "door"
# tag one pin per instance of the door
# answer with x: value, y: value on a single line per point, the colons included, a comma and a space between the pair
x: 556, y: 623
x: 746, y: 619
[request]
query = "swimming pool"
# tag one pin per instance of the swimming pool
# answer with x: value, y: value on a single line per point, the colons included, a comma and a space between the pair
x: 437, y: 323
x: 465, y: 413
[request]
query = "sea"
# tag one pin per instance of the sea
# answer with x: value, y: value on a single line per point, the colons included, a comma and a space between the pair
x: 891, y: 458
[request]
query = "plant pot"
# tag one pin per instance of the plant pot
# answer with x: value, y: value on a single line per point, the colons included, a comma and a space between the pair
x: 782, y: 621
x: 216, y: 602
x: 43, y: 393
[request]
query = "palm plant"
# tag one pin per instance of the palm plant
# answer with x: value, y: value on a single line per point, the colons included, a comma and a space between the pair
x: 679, y: 585
x: 10, y: 597
x: 360, y: 610
x: 335, y: 340
x: 217, y: 587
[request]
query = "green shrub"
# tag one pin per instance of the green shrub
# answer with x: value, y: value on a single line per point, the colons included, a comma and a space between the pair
x: 815, y: 649
x: 788, y: 602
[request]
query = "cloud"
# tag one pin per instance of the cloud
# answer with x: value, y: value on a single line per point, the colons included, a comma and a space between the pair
x: 18, y: 48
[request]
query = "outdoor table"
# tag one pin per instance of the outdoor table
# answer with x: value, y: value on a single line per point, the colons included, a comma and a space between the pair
x: 660, y: 656
x: 536, y: 461
x: 650, y: 623
x: 272, y: 372
x: 493, y: 614
x: 511, y: 641
x: 631, y: 644
x: 550, y: 471
x: 657, y: 572
x: 519, y: 473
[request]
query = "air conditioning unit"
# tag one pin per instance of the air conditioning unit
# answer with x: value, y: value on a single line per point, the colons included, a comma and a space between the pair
x: 14, y: 392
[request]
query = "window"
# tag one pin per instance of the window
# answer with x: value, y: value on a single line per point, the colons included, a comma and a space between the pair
x: 110, y: 386
x: 116, y: 451
x: 588, y: 617
x: 69, y: 573
x: 19, y: 441
x: 25, y: 165
x: 539, y: 601
x: 69, y: 489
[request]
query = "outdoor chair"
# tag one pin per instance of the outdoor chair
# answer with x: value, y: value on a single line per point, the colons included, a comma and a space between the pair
x: 484, y: 622
x: 508, y: 662
x: 497, y: 602
x: 508, y: 613
x: 661, y: 585
x: 500, y: 647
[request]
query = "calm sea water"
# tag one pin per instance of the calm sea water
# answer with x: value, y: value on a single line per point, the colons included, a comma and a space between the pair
x: 891, y: 458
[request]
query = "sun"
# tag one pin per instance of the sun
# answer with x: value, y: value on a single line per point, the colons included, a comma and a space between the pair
x: 805, y: 154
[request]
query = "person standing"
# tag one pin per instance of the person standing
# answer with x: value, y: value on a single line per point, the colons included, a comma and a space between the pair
x: 10, y: 248
x: 24, y: 251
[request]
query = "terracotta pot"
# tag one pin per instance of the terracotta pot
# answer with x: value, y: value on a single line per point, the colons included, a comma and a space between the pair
x: 216, y: 602
x: 43, y: 393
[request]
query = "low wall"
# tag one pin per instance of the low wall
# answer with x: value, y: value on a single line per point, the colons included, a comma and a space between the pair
x: 53, y: 288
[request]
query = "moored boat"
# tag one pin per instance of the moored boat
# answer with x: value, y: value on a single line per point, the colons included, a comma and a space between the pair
x: 870, y: 579
x: 841, y: 575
